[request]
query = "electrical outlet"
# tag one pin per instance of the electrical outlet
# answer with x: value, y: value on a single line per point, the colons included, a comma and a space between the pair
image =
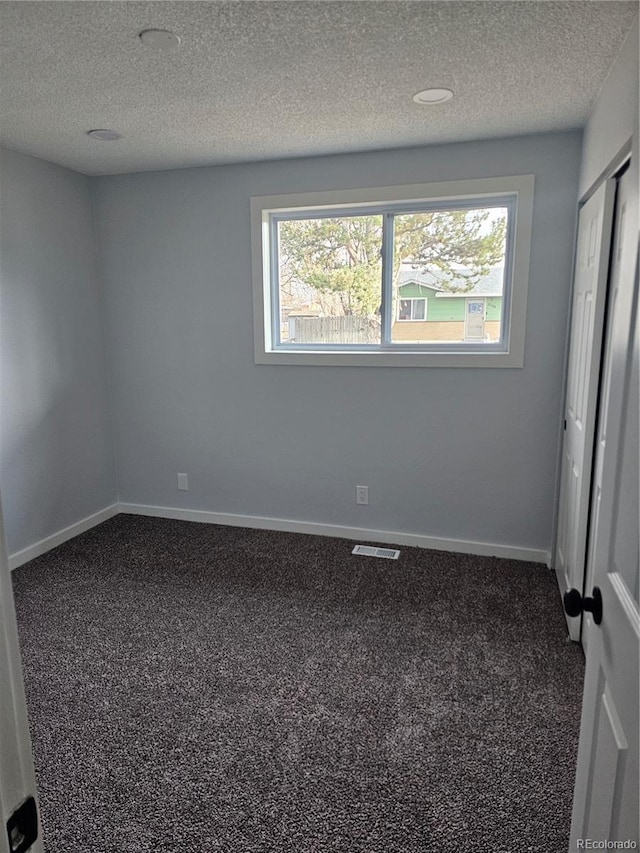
x: 183, y: 482
x: 362, y: 494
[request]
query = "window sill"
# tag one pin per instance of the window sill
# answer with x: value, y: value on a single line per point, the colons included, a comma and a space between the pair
x: 391, y: 359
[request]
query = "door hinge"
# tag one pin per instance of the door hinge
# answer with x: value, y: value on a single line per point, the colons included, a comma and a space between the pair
x: 22, y: 827
x: 565, y: 426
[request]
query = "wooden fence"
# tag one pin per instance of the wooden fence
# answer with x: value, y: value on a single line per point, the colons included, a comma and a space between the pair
x: 335, y: 330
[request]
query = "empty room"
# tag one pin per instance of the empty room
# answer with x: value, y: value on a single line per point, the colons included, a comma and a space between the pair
x: 319, y: 403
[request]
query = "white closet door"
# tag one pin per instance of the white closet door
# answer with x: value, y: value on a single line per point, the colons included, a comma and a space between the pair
x: 585, y: 350
x: 606, y: 799
x: 17, y: 780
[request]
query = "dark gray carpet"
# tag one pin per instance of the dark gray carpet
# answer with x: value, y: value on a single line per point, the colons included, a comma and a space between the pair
x: 195, y: 688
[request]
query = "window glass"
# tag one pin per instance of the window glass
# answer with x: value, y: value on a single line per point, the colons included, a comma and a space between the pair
x: 450, y: 256
x: 330, y: 280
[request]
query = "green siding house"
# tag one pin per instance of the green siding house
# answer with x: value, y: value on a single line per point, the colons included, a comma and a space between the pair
x: 428, y: 307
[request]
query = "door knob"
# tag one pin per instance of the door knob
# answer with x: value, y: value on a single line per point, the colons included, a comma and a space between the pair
x: 574, y: 604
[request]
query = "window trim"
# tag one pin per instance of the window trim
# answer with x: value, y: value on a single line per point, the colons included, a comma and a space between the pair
x: 518, y: 187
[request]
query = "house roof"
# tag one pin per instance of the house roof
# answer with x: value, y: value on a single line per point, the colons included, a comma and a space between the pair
x: 487, y: 285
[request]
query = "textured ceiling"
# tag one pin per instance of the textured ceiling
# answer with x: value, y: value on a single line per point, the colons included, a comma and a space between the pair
x: 262, y: 80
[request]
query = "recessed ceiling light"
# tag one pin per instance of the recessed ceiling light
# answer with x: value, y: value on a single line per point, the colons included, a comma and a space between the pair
x: 104, y: 135
x: 433, y: 96
x: 159, y: 39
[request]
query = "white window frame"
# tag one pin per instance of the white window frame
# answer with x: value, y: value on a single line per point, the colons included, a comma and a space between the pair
x: 412, y: 299
x: 517, y: 189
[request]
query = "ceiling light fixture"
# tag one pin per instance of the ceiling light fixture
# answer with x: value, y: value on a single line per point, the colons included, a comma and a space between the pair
x: 104, y: 135
x: 159, y: 39
x: 433, y: 96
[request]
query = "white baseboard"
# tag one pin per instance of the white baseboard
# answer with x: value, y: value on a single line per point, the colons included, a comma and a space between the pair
x: 460, y: 546
x: 44, y: 545
x: 389, y: 537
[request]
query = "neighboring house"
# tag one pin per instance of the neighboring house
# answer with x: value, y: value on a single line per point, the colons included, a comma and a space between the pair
x: 426, y: 310
x: 430, y: 306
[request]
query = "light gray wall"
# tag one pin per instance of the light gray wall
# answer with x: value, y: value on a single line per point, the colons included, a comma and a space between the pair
x: 614, y: 118
x: 56, y: 447
x: 467, y: 454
